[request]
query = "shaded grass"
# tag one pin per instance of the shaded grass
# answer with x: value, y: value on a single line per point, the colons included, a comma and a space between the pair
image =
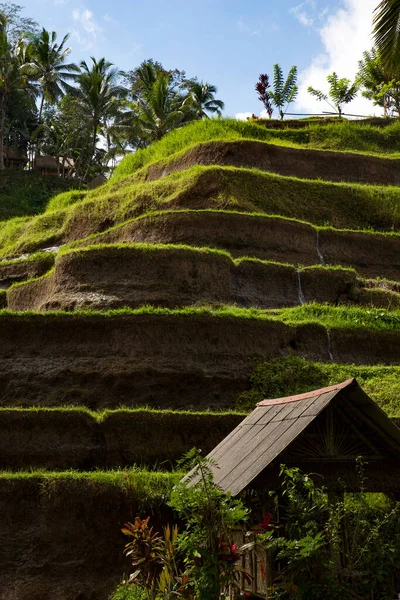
x: 146, y: 489
x: 35, y: 257
x: 102, y: 415
x: 27, y: 193
x: 344, y: 136
x: 344, y: 317
x: 292, y: 375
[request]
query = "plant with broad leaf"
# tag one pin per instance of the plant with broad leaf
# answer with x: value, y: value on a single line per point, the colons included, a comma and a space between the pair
x: 285, y: 91
x: 341, y: 92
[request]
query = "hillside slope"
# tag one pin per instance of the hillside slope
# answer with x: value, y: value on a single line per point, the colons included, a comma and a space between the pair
x: 226, y: 263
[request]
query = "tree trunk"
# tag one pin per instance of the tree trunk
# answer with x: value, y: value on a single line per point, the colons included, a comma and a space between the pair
x: 93, y: 152
x: 2, y: 127
x: 41, y: 107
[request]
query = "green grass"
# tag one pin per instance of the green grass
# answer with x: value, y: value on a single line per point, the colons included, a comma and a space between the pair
x: 65, y: 199
x: 102, y: 415
x: 340, y: 205
x: 35, y: 257
x: 146, y: 489
x: 27, y: 193
x: 343, y: 317
x: 330, y: 317
x: 140, y: 247
x: 344, y: 136
x: 291, y: 375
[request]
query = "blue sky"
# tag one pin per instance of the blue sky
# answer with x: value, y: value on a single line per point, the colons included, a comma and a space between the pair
x: 225, y: 42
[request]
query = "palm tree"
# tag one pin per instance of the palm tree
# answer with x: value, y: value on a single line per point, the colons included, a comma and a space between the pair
x: 49, y: 67
x: 160, y: 109
x: 203, y: 101
x: 99, y: 97
x: 13, y: 75
x: 387, y: 33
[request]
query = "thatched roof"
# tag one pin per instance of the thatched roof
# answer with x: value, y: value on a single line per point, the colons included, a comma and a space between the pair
x: 52, y: 163
x: 97, y: 182
x: 15, y: 153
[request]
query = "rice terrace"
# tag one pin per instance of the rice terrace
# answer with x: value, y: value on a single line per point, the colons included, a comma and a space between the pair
x: 199, y: 323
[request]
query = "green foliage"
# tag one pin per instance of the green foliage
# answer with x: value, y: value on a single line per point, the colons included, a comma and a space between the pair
x: 284, y: 92
x: 379, y: 86
x: 386, y: 33
x: 209, y: 515
x: 48, y: 66
x: 339, y: 550
x: 290, y: 375
x: 341, y: 91
x: 202, y: 99
x: 128, y: 592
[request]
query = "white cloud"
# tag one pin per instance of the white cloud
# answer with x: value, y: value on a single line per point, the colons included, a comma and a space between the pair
x: 303, y: 12
x: 89, y: 30
x: 250, y: 27
x: 345, y: 35
x: 109, y: 19
x: 243, y: 116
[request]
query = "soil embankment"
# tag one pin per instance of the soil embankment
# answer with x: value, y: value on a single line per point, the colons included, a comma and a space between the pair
x: 294, y: 162
x: 166, y: 361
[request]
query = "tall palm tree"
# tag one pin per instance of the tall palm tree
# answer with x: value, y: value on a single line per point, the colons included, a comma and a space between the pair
x: 99, y: 96
x: 49, y: 66
x: 160, y: 109
x: 13, y: 75
x: 203, y: 101
x: 387, y: 33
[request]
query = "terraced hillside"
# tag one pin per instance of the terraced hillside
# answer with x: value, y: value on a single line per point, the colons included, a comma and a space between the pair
x: 227, y: 263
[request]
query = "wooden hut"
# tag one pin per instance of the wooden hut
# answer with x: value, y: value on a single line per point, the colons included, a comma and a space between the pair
x: 50, y: 165
x: 322, y: 432
x: 15, y: 158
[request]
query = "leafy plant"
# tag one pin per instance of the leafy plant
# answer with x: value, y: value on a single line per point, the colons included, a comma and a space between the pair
x: 386, y: 33
x: 342, y: 549
x: 379, y: 86
x: 341, y: 91
x: 284, y: 92
x: 262, y: 87
x: 209, y: 515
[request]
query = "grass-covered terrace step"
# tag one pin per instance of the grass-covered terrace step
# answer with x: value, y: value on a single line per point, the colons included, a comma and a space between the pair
x: 131, y: 275
x: 265, y: 237
x: 286, y: 161
x: 76, y: 438
x: 67, y: 528
x: 218, y: 188
x: 193, y: 357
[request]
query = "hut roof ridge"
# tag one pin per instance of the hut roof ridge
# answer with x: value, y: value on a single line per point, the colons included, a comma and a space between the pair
x: 305, y: 395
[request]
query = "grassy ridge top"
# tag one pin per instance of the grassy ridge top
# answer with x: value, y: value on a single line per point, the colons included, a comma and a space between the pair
x: 344, y: 136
